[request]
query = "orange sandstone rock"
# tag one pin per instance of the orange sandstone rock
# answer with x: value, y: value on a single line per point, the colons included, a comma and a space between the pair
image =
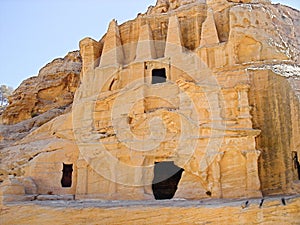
x: 201, y: 97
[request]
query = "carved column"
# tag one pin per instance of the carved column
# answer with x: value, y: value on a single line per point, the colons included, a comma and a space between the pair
x: 244, y: 116
x: 148, y: 175
x: 253, y: 182
x: 82, y: 178
x: 216, y: 188
x: 113, y: 179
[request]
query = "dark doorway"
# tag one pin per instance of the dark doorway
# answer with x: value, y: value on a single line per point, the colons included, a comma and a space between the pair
x: 296, y: 163
x: 166, y: 178
x: 66, y: 180
x: 159, y: 76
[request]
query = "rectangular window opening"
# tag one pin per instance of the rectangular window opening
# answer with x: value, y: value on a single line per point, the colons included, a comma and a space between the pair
x: 166, y: 179
x: 66, y: 180
x: 159, y: 76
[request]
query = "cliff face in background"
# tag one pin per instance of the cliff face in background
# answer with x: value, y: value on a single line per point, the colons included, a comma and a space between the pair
x: 53, y: 88
x: 276, y: 112
x: 35, y: 102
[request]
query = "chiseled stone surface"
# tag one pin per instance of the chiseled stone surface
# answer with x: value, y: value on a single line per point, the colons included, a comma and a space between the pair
x: 212, y: 57
x: 280, y: 130
x: 228, y: 114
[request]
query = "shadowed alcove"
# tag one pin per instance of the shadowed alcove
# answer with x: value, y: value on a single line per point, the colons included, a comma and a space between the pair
x: 166, y: 178
x: 66, y: 180
x: 159, y: 76
x: 296, y: 164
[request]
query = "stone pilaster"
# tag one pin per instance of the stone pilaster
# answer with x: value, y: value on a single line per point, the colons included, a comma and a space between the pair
x: 215, y: 183
x: 82, y: 182
x: 253, y: 182
x: 244, y: 117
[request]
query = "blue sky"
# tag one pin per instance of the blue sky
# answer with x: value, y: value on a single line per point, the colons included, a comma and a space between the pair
x: 34, y: 32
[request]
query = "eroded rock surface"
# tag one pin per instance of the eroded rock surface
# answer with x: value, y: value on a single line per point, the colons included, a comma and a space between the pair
x: 53, y: 88
x: 212, y: 88
x: 149, y: 212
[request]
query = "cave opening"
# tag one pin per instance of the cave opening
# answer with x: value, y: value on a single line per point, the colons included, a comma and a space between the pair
x: 166, y: 178
x: 159, y: 76
x: 66, y: 180
x: 296, y: 164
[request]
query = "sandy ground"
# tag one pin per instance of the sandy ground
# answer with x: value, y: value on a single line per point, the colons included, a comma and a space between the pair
x: 273, y: 211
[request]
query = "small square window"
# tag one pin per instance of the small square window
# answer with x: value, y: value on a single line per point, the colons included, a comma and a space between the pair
x: 159, y: 76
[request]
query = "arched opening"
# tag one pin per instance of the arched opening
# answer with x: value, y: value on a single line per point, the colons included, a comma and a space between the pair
x: 159, y: 76
x: 113, y: 82
x: 166, y: 178
x: 66, y: 180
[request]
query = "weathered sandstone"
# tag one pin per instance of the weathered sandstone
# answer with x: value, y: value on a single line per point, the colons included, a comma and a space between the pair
x: 272, y: 211
x: 53, y: 88
x: 191, y: 100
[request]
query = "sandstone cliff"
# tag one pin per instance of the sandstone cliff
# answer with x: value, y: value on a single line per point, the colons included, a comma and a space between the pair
x: 35, y: 102
x: 53, y: 88
x: 249, y: 48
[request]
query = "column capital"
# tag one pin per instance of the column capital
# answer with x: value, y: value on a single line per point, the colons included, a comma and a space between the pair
x: 254, y: 152
x: 82, y: 163
x: 216, y: 156
x: 219, y: 156
x: 242, y: 87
